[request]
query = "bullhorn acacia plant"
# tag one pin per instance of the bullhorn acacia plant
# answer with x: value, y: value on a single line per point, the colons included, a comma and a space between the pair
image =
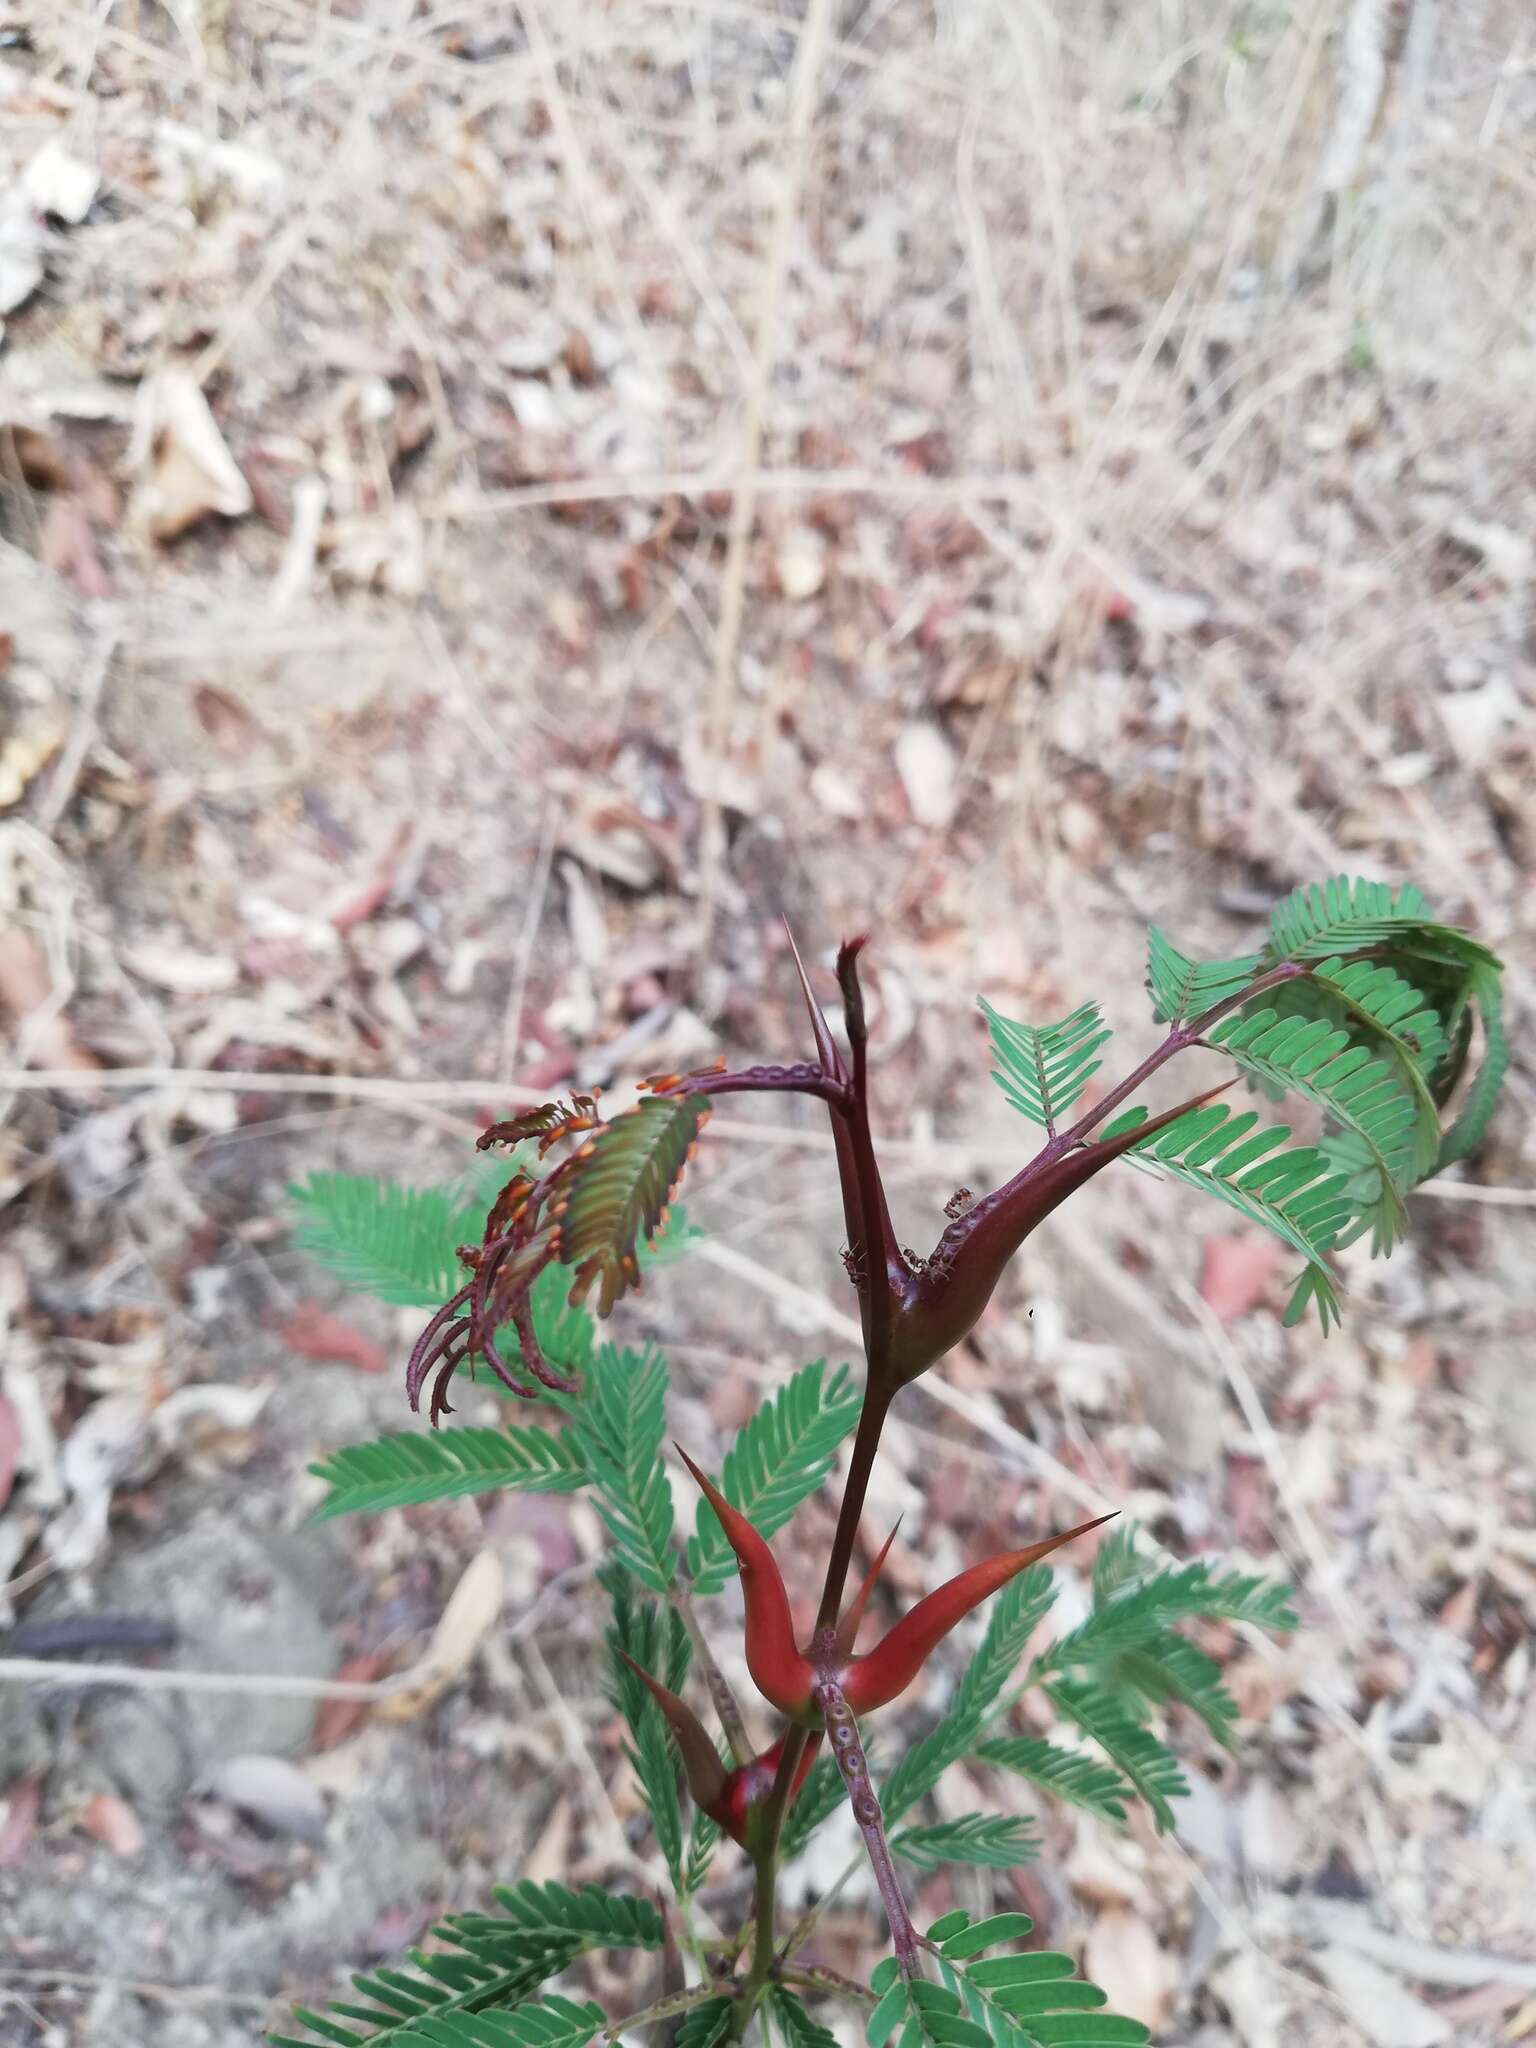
x: 1358, y: 1003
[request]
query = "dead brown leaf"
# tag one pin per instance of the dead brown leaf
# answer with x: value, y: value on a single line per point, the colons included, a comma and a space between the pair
x: 10, y: 1448
x: 315, y: 1332
x: 337, y: 1719
x: 113, y: 1823
x: 185, y: 472
x: 1236, y: 1273
x: 25, y: 988
x: 472, y: 1612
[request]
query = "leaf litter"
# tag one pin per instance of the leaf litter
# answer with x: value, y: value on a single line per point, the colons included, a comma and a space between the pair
x: 1287, y: 629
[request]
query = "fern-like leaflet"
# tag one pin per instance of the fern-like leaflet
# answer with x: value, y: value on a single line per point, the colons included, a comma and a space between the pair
x: 1316, y: 922
x: 1065, y: 1773
x: 1294, y: 1191
x: 1016, y: 1613
x: 1182, y: 988
x: 795, y: 2023
x: 782, y: 1455
x: 1035, y: 2000
x: 1137, y: 1755
x: 405, y: 1471
x: 641, y: 1633
x: 1362, y: 1094
x: 494, y: 1960
x: 997, y: 1841
x: 396, y: 1243
x: 541, y: 2023
x: 619, y: 1423
x: 1472, y: 1120
x: 1044, y: 1069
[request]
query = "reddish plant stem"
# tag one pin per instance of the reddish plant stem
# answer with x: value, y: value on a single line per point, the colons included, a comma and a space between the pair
x: 1179, y: 1039
x: 843, y: 1734
x: 866, y: 1446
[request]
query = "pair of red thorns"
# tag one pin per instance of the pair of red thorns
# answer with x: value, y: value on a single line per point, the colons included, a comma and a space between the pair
x: 824, y: 1685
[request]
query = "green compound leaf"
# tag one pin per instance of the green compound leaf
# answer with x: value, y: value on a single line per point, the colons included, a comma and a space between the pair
x: 1345, y: 916
x: 1025, y: 2001
x: 1140, y: 1757
x: 406, y: 1471
x: 494, y: 1960
x: 996, y: 1841
x: 1364, y: 1095
x: 597, y: 1917
x: 1015, y: 1614
x: 543, y: 2023
x: 1182, y: 988
x: 705, y: 2025
x: 785, y: 1452
x: 917, y: 2014
x: 1043, y: 1069
x: 1132, y: 1606
x: 1290, y: 1189
x: 703, y: 1840
x: 618, y: 1421
x: 658, y: 1642
x: 797, y: 2026
x: 1466, y: 1133
x: 1079, y: 1780
x: 396, y: 1243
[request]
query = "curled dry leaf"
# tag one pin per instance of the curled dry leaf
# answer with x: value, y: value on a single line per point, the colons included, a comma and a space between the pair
x: 114, y: 1824
x: 183, y: 469
x: 472, y: 1612
x: 273, y: 1791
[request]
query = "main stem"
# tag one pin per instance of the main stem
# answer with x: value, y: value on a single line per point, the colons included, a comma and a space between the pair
x: 878, y: 1393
